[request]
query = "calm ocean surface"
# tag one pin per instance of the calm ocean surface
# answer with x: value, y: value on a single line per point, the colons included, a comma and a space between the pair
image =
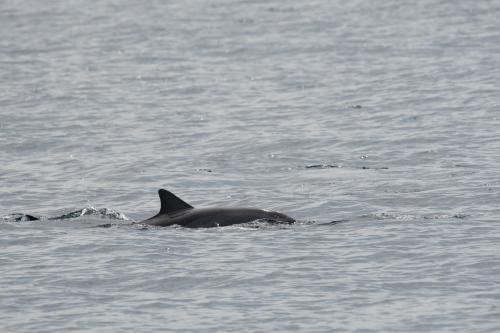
x: 382, y: 114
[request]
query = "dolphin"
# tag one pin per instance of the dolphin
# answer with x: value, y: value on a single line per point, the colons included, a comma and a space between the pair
x: 175, y: 211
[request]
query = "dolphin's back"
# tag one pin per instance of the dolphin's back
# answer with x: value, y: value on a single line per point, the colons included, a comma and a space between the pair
x: 221, y: 217
x: 174, y: 211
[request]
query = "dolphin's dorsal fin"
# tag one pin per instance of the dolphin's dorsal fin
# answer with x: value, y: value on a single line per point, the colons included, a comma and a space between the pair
x: 170, y: 203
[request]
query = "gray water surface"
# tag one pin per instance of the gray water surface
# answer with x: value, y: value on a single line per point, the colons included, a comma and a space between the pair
x: 383, y: 115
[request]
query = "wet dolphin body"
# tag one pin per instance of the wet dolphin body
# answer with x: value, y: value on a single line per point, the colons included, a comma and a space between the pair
x: 174, y: 211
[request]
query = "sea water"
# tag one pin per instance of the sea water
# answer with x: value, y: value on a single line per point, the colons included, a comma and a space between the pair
x: 380, y: 116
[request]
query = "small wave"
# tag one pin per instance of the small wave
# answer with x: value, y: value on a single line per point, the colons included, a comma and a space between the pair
x: 334, y: 222
x: 91, y: 211
x: 338, y: 166
x: 445, y: 216
x: 410, y: 217
x: 18, y: 217
x: 87, y: 211
x: 323, y: 166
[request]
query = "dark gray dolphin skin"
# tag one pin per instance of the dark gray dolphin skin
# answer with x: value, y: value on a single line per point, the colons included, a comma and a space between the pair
x: 174, y: 211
